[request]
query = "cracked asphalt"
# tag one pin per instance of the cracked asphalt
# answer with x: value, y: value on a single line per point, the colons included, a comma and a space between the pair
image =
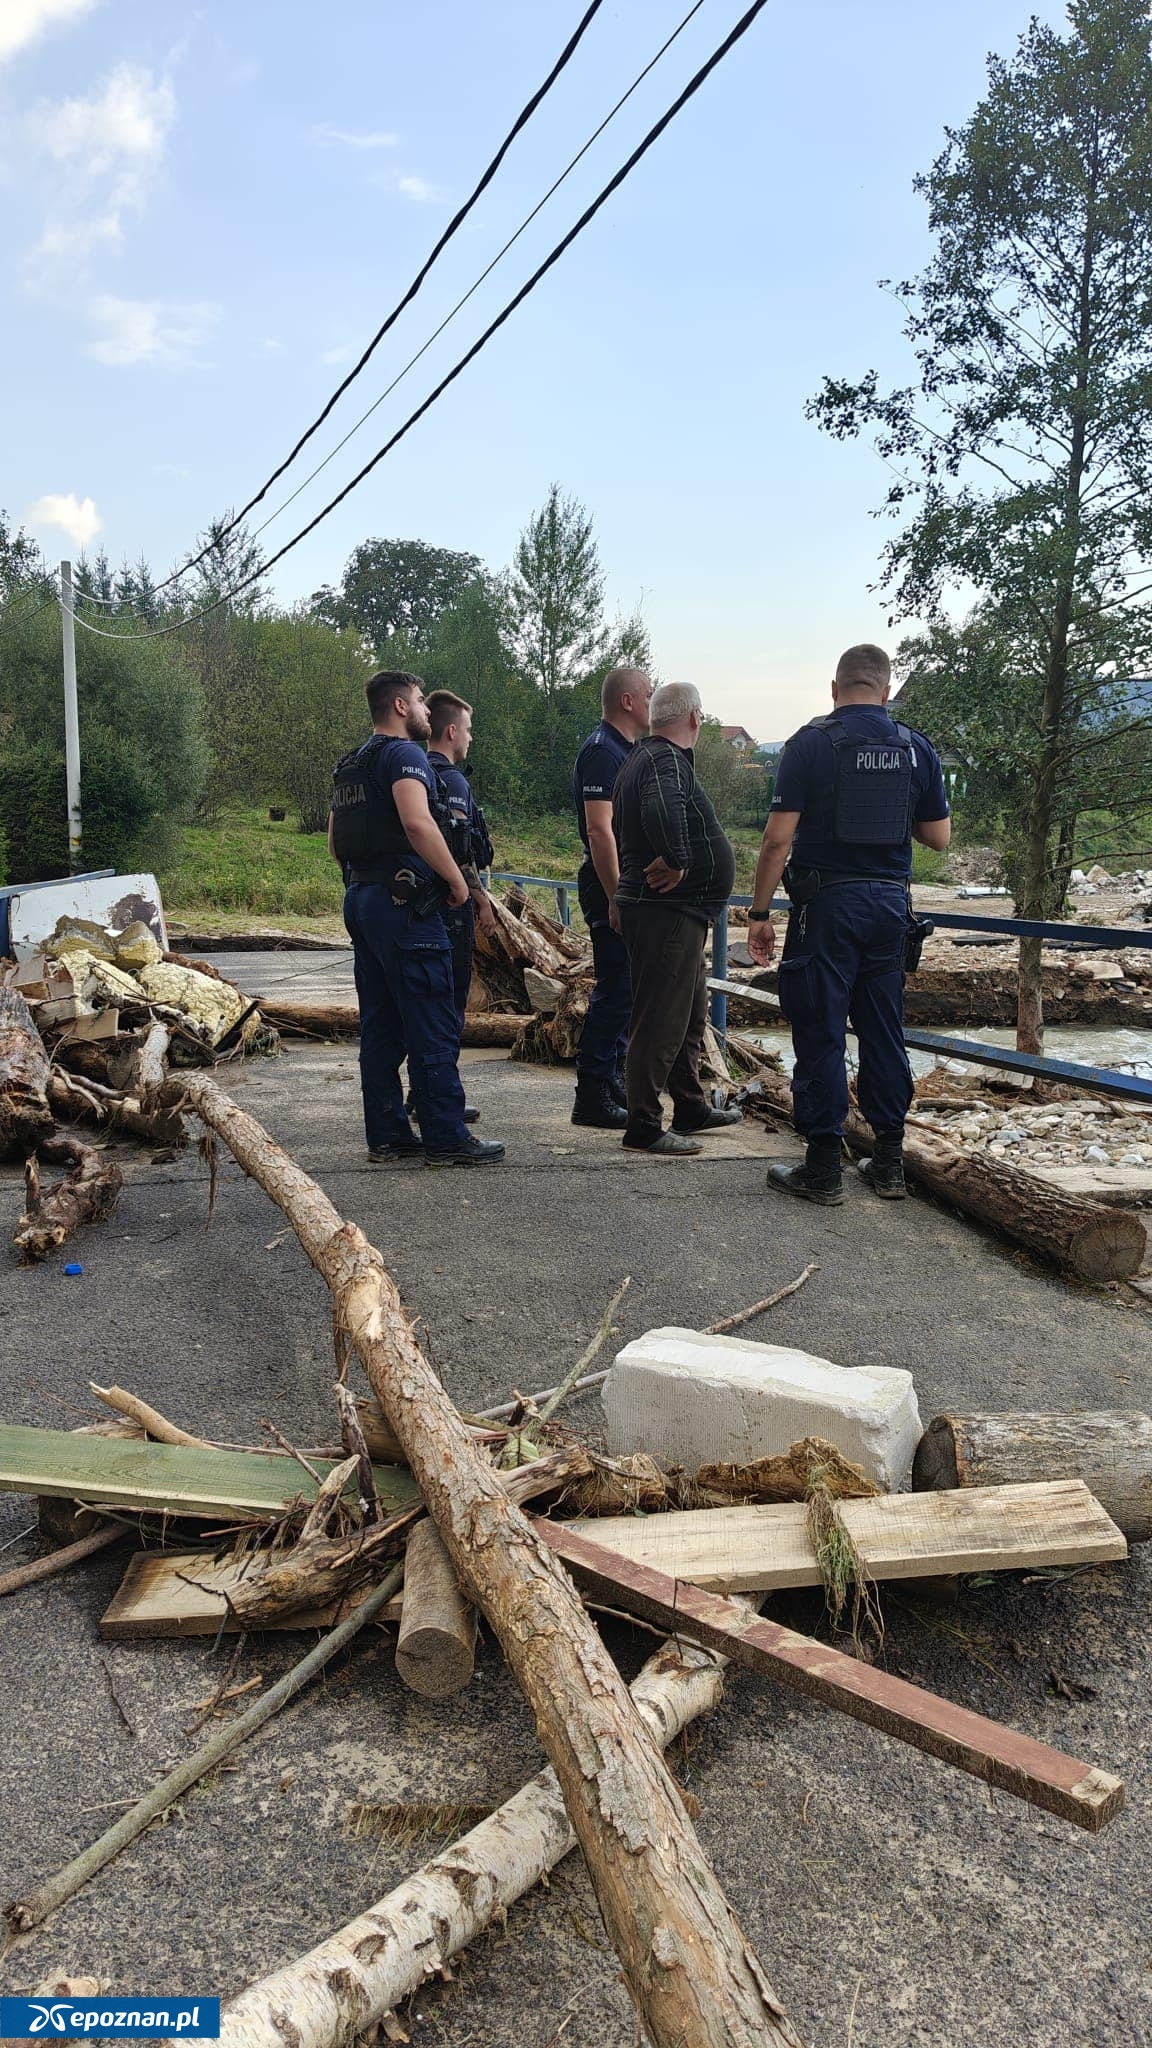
x: 890, y: 1899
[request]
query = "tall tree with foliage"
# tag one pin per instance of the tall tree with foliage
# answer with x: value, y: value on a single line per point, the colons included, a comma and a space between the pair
x: 392, y: 587
x: 1023, y: 447
x: 558, y: 595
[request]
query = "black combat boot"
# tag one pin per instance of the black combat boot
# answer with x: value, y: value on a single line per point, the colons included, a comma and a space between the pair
x: 596, y: 1107
x: 818, y: 1180
x: 618, y: 1090
x: 884, y: 1172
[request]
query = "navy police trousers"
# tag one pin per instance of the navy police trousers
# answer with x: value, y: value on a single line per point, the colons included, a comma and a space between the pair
x: 843, y: 962
x: 604, y: 1039
x: 404, y: 983
x: 460, y: 926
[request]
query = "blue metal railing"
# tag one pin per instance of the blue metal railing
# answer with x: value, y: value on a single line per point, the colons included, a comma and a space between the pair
x: 1105, y: 1080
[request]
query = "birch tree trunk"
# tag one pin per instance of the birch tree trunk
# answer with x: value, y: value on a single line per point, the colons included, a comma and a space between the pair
x: 694, y: 1979
x: 367, y: 1969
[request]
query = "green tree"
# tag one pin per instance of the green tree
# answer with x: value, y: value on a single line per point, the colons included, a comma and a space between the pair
x: 1022, y: 449
x: 142, y: 747
x: 470, y: 650
x: 310, y: 682
x: 557, y: 595
x: 392, y: 587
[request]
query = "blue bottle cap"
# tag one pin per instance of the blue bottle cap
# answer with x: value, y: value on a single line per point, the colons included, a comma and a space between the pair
x: 73, y: 1270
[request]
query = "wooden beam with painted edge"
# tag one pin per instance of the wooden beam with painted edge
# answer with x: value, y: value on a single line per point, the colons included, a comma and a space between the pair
x: 1001, y: 1756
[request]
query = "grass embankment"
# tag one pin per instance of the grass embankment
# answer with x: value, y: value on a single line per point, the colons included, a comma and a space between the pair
x: 247, y: 871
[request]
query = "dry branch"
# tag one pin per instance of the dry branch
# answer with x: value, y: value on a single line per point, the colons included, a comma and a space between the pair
x: 60, y: 1560
x: 150, y: 1419
x: 22, y: 1914
x: 91, y: 1101
x: 86, y: 1194
x: 688, y: 1965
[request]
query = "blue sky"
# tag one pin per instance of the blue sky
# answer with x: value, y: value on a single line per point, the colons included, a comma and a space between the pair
x: 208, y: 211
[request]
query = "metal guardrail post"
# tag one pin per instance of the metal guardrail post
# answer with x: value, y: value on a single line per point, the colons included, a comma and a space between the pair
x: 720, y: 973
x: 562, y: 905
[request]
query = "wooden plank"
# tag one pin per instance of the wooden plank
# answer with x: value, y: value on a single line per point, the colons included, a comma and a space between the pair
x: 1014, y: 1763
x: 126, y: 1472
x: 899, y: 1536
x: 164, y: 1593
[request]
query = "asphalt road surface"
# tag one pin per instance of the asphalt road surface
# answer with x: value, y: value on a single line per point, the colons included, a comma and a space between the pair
x: 890, y: 1899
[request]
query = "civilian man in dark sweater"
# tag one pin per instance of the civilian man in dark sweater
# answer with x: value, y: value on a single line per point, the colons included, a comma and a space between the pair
x: 676, y: 875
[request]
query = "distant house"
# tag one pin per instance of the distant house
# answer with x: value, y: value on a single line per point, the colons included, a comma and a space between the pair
x: 735, y: 736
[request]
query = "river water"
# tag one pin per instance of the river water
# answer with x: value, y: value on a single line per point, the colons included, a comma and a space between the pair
x: 1129, y: 1052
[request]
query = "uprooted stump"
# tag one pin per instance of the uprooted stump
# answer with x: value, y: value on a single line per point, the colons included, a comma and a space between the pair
x: 86, y: 1194
x: 25, y: 1116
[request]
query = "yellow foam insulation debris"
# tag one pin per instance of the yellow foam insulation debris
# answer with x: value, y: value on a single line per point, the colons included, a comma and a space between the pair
x: 136, y: 947
x: 213, y: 1004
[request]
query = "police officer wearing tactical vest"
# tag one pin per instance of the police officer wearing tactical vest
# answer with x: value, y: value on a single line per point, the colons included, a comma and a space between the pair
x: 853, y: 790
x: 391, y: 829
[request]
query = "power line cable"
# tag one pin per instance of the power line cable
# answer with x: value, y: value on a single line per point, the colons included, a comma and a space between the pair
x: 484, y: 274
x: 457, y: 221
x: 694, y: 84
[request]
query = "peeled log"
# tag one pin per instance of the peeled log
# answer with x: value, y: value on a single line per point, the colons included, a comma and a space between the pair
x: 1110, y: 1451
x: 367, y: 1969
x: 436, y: 1647
x: 25, y: 1117
x: 1090, y: 1240
x: 694, y: 1978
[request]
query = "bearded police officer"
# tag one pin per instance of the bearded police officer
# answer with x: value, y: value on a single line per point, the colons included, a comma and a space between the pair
x: 601, y: 1099
x: 389, y: 828
x: 853, y: 790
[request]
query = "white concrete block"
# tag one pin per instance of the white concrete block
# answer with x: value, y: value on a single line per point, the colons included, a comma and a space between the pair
x: 691, y: 1400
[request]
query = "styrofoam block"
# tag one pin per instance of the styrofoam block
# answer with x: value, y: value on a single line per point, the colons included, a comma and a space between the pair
x: 691, y: 1400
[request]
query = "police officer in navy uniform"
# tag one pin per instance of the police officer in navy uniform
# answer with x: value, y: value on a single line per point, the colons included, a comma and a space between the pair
x: 389, y: 828
x: 853, y: 789
x: 601, y: 1099
x: 451, y: 722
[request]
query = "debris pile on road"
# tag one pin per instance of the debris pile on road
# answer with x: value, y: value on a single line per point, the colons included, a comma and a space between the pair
x: 415, y: 1514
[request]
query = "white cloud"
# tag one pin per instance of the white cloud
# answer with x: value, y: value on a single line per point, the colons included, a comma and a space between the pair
x: 77, y: 516
x: 342, y: 352
x: 21, y: 21
x: 327, y: 137
x: 166, y: 334
x: 101, y: 156
x: 420, y: 190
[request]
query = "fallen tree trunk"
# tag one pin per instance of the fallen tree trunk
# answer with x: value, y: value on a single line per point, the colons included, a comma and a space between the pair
x: 518, y: 942
x: 694, y: 1979
x: 25, y: 1116
x: 1095, y: 1242
x: 85, y: 1195
x: 550, y: 929
x: 342, y: 1020
x: 436, y: 1646
x: 366, y: 1970
x: 1110, y: 1451
x: 150, y: 1063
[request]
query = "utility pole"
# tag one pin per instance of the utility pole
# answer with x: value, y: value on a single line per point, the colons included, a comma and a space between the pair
x: 71, y: 719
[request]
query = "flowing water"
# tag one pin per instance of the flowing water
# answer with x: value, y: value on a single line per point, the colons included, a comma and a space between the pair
x: 1129, y: 1052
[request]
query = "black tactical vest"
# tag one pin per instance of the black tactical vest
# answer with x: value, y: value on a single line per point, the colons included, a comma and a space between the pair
x: 871, y: 798
x: 366, y: 827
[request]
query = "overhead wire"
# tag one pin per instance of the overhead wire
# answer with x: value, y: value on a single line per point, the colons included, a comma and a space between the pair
x: 689, y: 91
x: 453, y: 227
x: 484, y: 274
